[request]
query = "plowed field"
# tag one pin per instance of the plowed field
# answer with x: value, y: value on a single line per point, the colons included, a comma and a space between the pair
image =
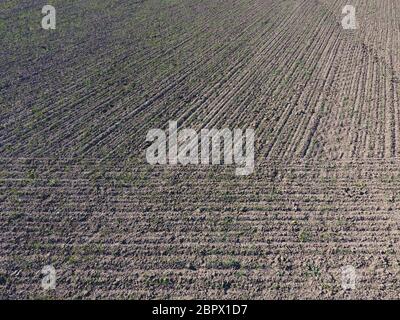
x: 77, y: 193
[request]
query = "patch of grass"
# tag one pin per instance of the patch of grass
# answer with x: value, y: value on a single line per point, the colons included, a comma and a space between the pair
x: 53, y: 182
x: 164, y: 281
x: 72, y: 259
x: 313, y: 271
x: 32, y: 175
x: 304, y: 236
x: 225, y: 264
x: 233, y: 264
x: 240, y: 273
